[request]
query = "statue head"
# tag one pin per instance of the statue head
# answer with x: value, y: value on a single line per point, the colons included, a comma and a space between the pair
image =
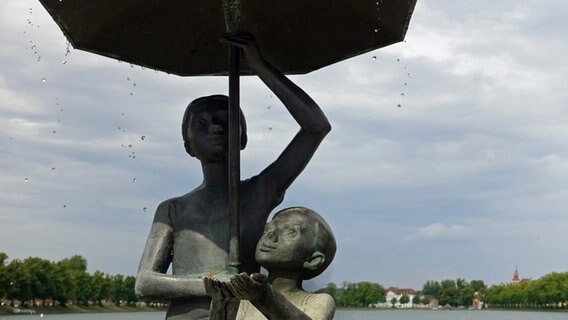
x: 297, y: 239
x: 205, y: 128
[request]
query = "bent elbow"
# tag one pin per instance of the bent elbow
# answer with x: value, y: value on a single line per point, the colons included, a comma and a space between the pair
x: 140, y: 286
x: 321, y: 129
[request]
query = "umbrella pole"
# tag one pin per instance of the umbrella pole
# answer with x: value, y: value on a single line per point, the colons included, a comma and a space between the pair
x: 234, y: 159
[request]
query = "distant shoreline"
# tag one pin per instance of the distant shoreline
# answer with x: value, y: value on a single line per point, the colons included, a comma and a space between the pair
x: 7, y: 310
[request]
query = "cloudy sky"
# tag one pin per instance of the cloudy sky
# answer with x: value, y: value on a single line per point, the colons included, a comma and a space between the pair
x: 467, y: 178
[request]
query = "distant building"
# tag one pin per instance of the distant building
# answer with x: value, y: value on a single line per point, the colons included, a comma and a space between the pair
x: 476, y: 303
x: 398, y: 293
x: 516, y: 279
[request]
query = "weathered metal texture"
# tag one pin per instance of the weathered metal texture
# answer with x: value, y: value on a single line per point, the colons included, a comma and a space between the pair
x: 181, y: 36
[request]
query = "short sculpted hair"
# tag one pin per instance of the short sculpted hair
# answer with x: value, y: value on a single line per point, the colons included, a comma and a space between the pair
x: 210, y: 102
x: 323, y: 241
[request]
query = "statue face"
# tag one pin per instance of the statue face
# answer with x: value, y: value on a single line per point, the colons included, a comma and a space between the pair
x: 208, y: 134
x: 285, y: 243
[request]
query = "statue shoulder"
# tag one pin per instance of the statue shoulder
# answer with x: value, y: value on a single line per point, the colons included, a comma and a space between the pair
x: 319, y: 306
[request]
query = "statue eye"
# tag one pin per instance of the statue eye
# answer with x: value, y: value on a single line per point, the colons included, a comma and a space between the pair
x: 292, y: 233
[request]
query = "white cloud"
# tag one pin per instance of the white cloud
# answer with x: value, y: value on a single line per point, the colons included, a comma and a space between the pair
x: 440, y: 231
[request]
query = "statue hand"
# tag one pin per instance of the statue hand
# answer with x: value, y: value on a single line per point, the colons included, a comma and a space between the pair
x: 246, y: 42
x: 216, y: 289
x: 248, y: 287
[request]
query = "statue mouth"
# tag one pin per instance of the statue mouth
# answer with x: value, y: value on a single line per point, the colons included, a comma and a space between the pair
x: 266, y: 248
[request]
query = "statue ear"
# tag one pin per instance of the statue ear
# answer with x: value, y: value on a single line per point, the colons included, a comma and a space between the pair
x: 187, y: 146
x: 244, y: 140
x: 313, y: 262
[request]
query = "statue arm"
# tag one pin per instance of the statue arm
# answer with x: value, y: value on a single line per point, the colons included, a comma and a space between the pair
x: 314, y: 125
x: 152, y: 280
x: 262, y: 295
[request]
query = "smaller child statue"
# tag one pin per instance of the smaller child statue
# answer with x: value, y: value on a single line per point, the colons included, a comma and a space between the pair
x: 296, y: 245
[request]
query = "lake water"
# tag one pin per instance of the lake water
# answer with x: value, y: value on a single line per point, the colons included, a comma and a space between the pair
x: 340, y: 315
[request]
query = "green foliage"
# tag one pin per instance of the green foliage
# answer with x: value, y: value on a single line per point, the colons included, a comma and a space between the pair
x: 416, y: 299
x: 454, y: 292
x: 361, y: 294
x: 431, y: 288
x: 36, y: 279
x: 404, y: 299
x: 548, y: 292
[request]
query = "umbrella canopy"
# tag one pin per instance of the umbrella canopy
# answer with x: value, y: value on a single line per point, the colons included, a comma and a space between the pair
x: 182, y: 36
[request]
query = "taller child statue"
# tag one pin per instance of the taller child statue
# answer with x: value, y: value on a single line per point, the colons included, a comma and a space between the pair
x: 191, y: 231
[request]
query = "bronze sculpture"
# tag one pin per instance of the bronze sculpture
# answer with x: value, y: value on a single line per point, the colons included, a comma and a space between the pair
x: 296, y: 245
x: 190, y: 232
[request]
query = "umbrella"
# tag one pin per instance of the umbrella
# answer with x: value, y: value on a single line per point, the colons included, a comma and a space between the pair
x: 182, y: 37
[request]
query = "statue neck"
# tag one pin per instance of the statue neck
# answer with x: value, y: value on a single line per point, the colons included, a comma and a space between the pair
x: 215, y: 174
x: 285, y: 280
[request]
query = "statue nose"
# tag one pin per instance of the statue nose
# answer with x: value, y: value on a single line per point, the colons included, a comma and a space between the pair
x: 215, y: 128
x: 272, y: 236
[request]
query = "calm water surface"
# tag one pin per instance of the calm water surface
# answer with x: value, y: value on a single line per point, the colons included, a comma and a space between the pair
x: 340, y: 315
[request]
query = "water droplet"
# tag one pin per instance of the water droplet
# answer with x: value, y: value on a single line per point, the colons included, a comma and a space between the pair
x: 119, y: 128
x: 134, y: 84
x: 64, y: 62
x: 53, y: 169
x: 145, y: 209
x: 374, y: 57
x: 143, y: 138
x: 38, y: 58
x: 33, y: 47
x: 399, y: 106
x: 269, y: 107
x: 269, y: 128
x: 130, y: 146
x: 131, y: 93
x: 123, y: 114
x: 402, y: 94
x: 64, y: 206
x: 133, y: 157
x: 54, y: 131
x: 398, y: 60
x: 131, y: 65
x: 127, y: 78
x: 133, y: 179
x: 376, y: 30
x: 11, y: 283
x: 26, y: 180
x: 41, y: 315
x: 43, y: 80
x: 405, y: 83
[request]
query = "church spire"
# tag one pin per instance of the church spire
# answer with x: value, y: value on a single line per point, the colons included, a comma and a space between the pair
x: 516, y: 278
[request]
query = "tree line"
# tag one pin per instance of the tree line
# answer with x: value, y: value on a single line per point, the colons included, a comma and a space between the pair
x: 57, y: 283
x: 550, y: 291
x: 67, y: 281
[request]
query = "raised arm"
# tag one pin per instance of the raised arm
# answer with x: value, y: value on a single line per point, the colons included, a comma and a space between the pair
x: 314, y: 125
x: 152, y: 280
